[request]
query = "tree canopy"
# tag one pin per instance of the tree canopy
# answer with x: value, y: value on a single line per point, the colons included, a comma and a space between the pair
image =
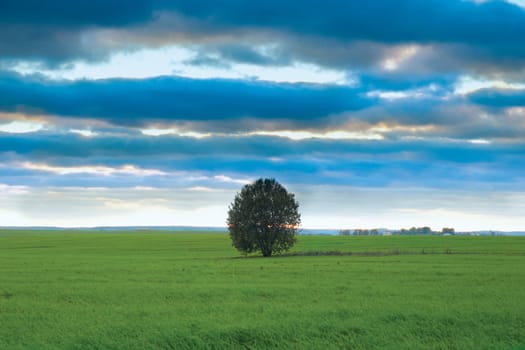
x: 263, y: 217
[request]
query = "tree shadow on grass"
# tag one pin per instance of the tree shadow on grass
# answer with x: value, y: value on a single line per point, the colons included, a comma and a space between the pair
x: 364, y: 253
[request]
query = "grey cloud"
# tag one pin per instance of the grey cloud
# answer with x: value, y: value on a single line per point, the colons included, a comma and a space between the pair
x: 458, y: 35
x: 431, y: 163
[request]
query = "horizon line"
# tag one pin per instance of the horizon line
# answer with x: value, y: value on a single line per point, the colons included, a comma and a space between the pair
x: 215, y: 228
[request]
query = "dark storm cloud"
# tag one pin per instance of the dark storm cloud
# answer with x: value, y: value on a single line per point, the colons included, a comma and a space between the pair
x: 376, y: 20
x: 231, y: 106
x: 132, y: 102
x: 52, y: 31
x: 455, y: 36
x: 234, y: 106
x: 75, y: 13
x: 480, y: 33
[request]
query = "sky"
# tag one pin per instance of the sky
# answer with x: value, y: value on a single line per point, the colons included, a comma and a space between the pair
x: 376, y: 114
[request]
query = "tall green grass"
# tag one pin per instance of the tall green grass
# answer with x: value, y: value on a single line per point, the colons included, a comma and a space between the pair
x: 151, y: 290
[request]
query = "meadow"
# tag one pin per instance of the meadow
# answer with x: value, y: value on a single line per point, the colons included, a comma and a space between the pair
x: 180, y: 290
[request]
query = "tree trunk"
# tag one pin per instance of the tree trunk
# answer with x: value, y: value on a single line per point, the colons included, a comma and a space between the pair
x: 267, y: 253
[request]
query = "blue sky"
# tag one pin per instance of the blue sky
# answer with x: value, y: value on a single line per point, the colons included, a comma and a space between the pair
x: 376, y: 114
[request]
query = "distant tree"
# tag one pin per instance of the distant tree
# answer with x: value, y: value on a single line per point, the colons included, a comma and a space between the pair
x: 417, y: 231
x: 425, y: 230
x: 344, y: 232
x: 361, y: 232
x: 448, y: 230
x: 263, y: 217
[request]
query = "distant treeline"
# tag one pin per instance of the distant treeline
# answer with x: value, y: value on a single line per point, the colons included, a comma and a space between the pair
x: 411, y: 231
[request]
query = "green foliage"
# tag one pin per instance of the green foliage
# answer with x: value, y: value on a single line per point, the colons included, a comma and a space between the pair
x: 361, y: 232
x: 448, y: 230
x: 154, y: 290
x: 263, y: 217
x: 417, y: 231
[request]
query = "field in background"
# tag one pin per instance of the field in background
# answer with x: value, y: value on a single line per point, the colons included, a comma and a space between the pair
x: 151, y: 290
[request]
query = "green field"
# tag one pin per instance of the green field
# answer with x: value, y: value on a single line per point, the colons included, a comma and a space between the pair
x: 147, y: 290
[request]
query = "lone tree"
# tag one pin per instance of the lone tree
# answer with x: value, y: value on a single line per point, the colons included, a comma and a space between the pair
x: 263, y: 217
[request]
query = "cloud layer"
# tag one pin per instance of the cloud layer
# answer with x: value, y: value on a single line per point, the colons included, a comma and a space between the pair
x: 125, y: 101
x: 174, y: 98
x: 465, y: 34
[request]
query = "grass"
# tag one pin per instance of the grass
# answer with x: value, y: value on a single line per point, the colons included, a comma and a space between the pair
x: 152, y: 290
